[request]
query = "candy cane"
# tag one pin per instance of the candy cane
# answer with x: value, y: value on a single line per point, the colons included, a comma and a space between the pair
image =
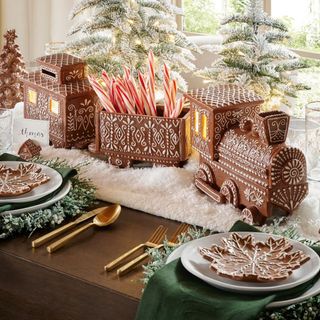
x: 144, y: 95
x: 126, y: 72
x: 131, y: 85
x: 118, y: 99
x: 173, y: 93
x: 103, y: 96
x: 129, y: 104
x: 151, y: 83
x: 167, y: 93
x: 178, y: 108
x: 105, y: 78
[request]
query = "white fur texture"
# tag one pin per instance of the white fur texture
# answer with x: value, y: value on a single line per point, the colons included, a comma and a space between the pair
x: 170, y: 193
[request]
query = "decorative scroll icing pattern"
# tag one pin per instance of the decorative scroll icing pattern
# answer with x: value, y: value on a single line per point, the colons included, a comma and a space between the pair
x: 289, y: 198
x: 288, y: 167
x: 254, y: 196
x: 43, y: 106
x: 56, y: 127
x: 74, y: 75
x: 278, y: 129
x: 140, y: 135
x: 80, y: 121
x: 226, y: 119
x: 230, y: 191
x: 249, y: 149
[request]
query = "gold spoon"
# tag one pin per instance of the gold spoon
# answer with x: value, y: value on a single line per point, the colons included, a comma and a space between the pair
x: 103, y: 219
x: 57, y: 232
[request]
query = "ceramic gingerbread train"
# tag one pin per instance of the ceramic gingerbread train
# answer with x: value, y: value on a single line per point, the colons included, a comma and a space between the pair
x: 243, y: 156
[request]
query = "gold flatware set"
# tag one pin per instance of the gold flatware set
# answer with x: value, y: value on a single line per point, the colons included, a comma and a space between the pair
x: 153, y: 242
x: 103, y: 217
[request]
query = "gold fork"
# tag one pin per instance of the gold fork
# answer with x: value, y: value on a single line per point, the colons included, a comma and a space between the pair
x: 153, y: 241
x: 183, y: 228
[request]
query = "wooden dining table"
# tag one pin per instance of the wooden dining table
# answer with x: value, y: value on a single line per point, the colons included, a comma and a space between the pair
x: 71, y: 284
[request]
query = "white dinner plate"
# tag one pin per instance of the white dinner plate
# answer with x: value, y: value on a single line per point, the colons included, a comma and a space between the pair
x: 200, y: 267
x: 44, y: 189
x: 313, y: 291
x: 61, y: 194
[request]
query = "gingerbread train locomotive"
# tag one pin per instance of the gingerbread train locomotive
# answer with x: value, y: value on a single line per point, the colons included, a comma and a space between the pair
x: 244, y: 160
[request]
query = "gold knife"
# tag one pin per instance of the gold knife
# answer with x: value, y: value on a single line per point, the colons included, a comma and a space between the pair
x: 45, y: 238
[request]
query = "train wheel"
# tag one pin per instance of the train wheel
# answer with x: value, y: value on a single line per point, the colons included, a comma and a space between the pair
x: 205, y: 174
x: 119, y: 162
x: 230, y: 191
x: 252, y: 216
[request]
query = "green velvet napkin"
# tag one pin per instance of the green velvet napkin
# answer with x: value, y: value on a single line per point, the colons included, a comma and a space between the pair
x: 174, y: 293
x: 66, y: 173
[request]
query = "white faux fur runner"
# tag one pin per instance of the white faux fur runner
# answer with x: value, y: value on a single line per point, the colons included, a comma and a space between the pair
x: 170, y: 193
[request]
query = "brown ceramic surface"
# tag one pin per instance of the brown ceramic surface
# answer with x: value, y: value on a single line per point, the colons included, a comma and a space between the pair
x: 14, y: 182
x: 62, y: 68
x: 242, y: 258
x: 67, y: 105
x: 125, y: 138
x: 28, y: 150
x: 243, y: 157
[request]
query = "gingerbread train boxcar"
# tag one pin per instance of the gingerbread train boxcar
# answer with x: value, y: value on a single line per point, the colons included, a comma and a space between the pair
x: 126, y: 138
x: 60, y: 93
x: 243, y: 156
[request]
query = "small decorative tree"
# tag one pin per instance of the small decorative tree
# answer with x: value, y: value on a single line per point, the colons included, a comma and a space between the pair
x: 12, y: 68
x: 253, y: 55
x: 122, y: 32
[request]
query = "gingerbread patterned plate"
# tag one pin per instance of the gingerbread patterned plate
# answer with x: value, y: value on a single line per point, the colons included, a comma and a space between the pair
x: 194, y: 262
x: 25, y: 182
x: 314, y: 290
x: 245, y: 259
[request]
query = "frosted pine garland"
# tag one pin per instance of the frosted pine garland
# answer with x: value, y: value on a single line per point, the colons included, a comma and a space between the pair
x: 81, y: 196
x: 253, y: 55
x: 111, y: 34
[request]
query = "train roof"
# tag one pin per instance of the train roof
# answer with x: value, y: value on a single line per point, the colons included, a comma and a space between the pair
x: 222, y: 96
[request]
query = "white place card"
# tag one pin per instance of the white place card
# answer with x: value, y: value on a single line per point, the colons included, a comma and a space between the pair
x: 24, y: 129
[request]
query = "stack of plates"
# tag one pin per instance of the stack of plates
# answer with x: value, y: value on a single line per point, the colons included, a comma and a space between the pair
x: 199, y: 267
x: 35, y: 194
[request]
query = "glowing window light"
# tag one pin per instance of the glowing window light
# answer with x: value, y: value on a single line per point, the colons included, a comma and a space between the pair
x: 196, y: 122
x: 32, y: 96
x: 54, y: 106
x: 204, y: 125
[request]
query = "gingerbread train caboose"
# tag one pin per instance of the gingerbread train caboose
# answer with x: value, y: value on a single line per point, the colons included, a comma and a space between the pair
x: 243, y: 156
x: 59, y: 92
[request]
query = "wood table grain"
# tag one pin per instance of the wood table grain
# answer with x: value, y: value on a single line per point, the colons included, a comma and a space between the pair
x: 71, y: 283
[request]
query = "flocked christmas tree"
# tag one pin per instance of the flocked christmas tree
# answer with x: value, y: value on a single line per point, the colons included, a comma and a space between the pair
x: 111, y: 34
x: 12, y: 68
x: 253, y: 54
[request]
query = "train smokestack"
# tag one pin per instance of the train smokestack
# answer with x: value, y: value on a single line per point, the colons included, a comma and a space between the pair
x: 272, y: 126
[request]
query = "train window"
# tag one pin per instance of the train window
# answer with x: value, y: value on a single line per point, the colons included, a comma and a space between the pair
x: 204, y: 126
x: 32, y: 96
x: 54, y: 106
x: 196, y: 121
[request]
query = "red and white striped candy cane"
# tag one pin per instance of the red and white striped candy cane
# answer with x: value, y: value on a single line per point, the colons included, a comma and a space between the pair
x: 151, y: 83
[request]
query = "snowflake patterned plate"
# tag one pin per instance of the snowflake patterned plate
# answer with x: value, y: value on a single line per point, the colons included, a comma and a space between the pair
x: 242, y: 258
x: 25, y: 182
x: 284, y: 278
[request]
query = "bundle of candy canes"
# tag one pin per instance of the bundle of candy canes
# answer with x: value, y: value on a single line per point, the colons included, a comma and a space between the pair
x: 127, y: 95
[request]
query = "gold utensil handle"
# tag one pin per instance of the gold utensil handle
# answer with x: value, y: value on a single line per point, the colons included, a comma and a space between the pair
x: 45, y: 238
x: 61, y: 242
x: 130, y: 265
x: 117, y: 261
